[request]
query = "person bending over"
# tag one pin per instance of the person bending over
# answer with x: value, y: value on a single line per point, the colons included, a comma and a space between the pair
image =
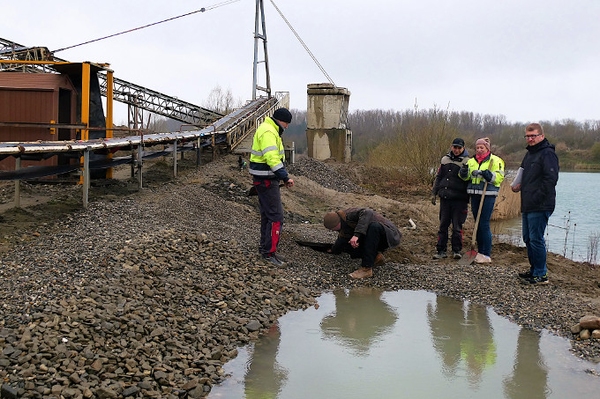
x: 362, y: 233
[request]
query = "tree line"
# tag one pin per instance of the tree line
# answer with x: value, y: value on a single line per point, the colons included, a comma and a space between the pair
x: 416, y: 139
x: 413, y: 141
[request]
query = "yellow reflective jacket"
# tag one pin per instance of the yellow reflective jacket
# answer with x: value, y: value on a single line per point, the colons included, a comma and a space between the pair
x: 267, y: 155
x: 494, y: 164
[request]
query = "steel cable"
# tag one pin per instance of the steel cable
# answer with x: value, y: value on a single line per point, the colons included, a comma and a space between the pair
x: 203, y: 9
x: 303, y: 44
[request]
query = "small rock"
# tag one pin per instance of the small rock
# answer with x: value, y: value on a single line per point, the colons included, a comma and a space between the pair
x: 590, y: 322
x: 253, y: 325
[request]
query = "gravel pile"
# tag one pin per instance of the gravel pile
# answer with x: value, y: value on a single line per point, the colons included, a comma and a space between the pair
x: 148, y: 296
x: 323, y: 174
x: 136, y: 298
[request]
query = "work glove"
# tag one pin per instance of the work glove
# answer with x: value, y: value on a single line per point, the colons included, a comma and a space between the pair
x: 433, y: 198
x: 464, y: 171
x: 476, y: 173
x: 487, y: 175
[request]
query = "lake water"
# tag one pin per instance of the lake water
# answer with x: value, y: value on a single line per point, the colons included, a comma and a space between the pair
x: 575, y: 221
x: 405, y: 344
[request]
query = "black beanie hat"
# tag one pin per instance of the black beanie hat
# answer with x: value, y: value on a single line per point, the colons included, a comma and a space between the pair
x: 282, y: 114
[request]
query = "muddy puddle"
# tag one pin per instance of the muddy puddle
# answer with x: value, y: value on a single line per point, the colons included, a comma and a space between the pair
x: 405, y: 344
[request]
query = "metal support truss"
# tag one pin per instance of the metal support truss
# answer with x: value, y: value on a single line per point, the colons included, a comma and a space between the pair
x: 123, y: 91
x: 260, y: 34
x: 158, y: 103
x: 14, y: 51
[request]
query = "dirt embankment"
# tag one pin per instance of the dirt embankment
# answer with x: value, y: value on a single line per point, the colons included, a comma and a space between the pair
x: 321, y: 186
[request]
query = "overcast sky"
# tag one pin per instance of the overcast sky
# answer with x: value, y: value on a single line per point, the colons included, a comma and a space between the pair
x: 528, y: 60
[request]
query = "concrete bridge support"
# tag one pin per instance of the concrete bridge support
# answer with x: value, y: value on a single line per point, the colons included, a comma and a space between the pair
x: 327, y: 130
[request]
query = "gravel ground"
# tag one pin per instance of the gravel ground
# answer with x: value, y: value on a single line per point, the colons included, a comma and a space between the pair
x: 149, y: 294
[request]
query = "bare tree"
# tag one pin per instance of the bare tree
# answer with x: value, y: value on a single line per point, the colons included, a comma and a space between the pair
x: 221, y: 101
x: 157, y: 124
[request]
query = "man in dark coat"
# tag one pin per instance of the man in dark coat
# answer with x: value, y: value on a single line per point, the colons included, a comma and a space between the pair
x: 454, y: 200
x: 536, y: 180
x: 362, y: 233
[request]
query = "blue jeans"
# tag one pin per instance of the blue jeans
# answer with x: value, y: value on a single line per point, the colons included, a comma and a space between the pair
x: 534, y: 225
x: 484, y: 233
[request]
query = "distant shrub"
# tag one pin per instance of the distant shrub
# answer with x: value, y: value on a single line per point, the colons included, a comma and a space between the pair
x: 416, y: 148
x: 595, y: 150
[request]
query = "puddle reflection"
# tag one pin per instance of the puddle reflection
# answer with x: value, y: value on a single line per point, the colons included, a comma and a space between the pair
x: 264, y: 376
x: 404, y: 344
x: 530, y: 374
x: 462, y: 333
x: 360, y: 319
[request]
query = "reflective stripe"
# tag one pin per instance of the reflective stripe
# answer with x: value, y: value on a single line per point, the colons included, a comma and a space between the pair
x: 493, y: 177
x: 479, y: 192
x: 264, y: 151
x: 498, y: 172
x: 257, y: 172
x: 269, y: 148
x: 277, y: 167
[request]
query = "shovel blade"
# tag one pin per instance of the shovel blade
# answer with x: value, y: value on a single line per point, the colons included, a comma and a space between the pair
x: 468, y: 257
x: 317, y: 246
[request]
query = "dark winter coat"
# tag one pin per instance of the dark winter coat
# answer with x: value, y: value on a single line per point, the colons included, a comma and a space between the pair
x: 539, y: 178
x: 448, y: 185
x: 356, y: 221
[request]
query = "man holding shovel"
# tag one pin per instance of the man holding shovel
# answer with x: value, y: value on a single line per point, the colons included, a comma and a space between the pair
x: 536, y: 180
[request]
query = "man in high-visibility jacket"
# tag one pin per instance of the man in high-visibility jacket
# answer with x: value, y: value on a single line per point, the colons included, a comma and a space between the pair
x: 267, y: 169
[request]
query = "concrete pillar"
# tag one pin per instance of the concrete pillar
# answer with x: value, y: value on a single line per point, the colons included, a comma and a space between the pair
x: 327, y: 130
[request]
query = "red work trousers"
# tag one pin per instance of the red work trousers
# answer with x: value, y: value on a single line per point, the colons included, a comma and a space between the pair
x: 271, y: 214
